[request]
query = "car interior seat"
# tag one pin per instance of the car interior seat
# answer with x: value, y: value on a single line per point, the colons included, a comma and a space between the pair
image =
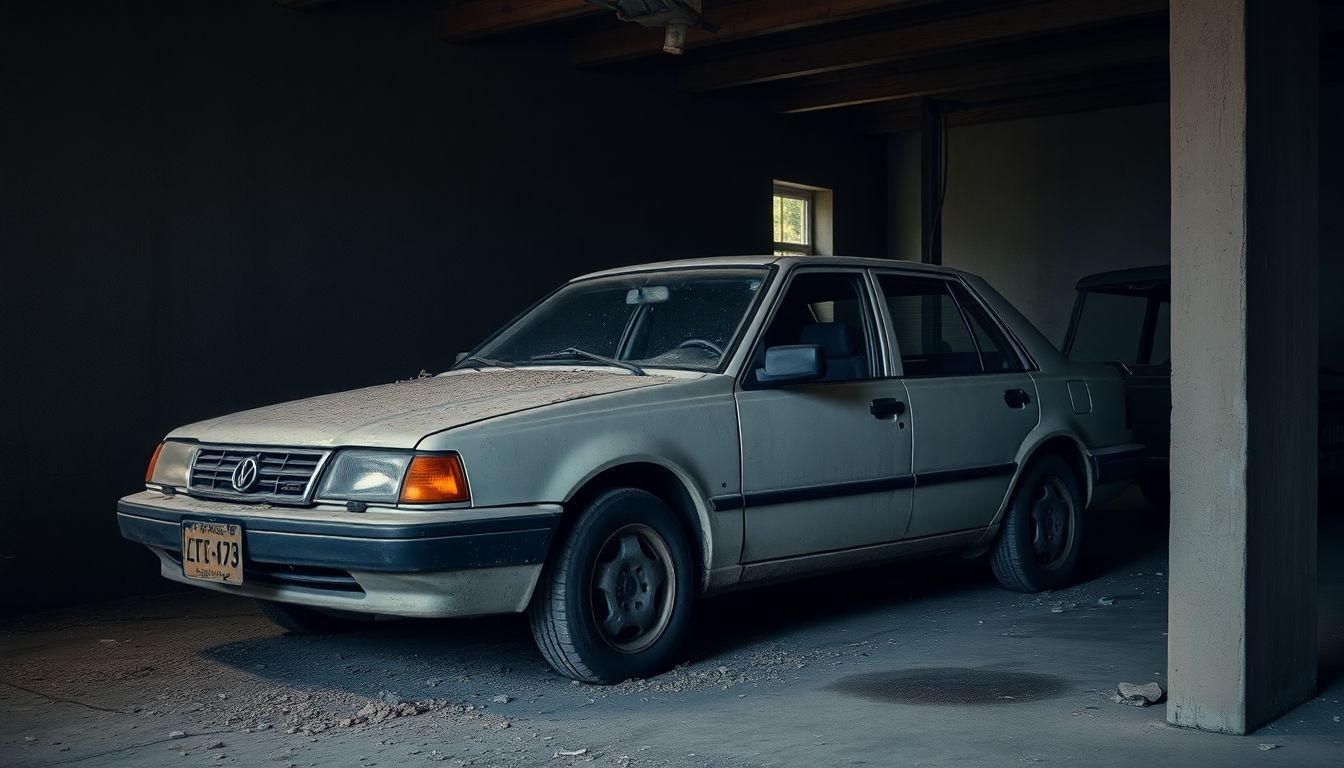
x: 841, y: 347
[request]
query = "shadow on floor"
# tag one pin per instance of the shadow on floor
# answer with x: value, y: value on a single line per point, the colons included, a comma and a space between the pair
x: 466, y: 648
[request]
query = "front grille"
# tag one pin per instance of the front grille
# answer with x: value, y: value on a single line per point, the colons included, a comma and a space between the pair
x: 282, y: 476
x: 306, y: 576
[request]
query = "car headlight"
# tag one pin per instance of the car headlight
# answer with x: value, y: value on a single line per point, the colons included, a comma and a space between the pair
x: 389, y: 477
x: 171, y: 464
x: 364, y: 476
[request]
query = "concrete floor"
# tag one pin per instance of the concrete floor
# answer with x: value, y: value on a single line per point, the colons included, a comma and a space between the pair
x: 922, y: 664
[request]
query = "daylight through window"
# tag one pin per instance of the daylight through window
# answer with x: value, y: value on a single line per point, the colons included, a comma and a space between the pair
x: 793, y: 221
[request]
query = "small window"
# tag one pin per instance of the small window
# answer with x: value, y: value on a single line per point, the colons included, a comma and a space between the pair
x: 829, y: 310
x: 793, y: 221
x: 940, y: 335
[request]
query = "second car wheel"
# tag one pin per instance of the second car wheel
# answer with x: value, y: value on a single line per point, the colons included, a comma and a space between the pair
x: 614, y: 600
x: 1042, y: 531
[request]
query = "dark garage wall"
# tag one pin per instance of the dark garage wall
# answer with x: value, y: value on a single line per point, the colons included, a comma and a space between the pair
x: 207, y: 206
x: 1035, y: 204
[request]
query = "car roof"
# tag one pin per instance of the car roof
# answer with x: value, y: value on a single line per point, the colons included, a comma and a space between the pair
x: 1123, y: 278
x: 767, y: 260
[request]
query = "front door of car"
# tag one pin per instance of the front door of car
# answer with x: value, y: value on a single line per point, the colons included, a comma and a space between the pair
x: 971, y: 401
x: 825, y: 464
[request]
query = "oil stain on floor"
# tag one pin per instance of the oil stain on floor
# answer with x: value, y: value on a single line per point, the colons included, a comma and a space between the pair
x: 952, y: 685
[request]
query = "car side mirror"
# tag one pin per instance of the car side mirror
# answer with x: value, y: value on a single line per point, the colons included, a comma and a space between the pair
x: 460, y: 357
x: 792, y: 364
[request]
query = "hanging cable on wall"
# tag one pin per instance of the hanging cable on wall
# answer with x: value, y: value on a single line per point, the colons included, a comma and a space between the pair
x: 934, y: 136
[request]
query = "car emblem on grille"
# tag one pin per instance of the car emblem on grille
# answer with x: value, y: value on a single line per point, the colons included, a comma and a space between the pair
x: 245, y: 474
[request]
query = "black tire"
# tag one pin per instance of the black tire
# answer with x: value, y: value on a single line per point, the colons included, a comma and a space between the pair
x: 1042, y: 533
x: 302, y: 620
x: 588, y: 588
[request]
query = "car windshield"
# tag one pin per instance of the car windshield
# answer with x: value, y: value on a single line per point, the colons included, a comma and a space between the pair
x: 669, y: 319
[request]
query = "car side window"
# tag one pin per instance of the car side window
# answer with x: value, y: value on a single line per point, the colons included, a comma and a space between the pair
x: 996, y: 356
x: 940, y: 334
x: 830, y: 310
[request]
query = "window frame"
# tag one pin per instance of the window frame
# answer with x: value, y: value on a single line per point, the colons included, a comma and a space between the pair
x: 809, y: 197
x: 957, y: 289
x: 878, y: 342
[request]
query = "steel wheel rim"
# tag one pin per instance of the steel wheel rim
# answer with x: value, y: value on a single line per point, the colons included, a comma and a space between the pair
x: 1052, y: 523
x: 634, y: 588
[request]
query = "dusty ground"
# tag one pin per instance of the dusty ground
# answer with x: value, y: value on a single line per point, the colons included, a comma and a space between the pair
x: 922, y: 664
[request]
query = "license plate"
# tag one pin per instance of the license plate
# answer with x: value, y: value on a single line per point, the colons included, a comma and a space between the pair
x: 212, y: 551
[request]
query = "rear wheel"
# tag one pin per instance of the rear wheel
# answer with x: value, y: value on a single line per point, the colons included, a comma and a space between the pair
x: 302, y: 620
x: 1041, y: 538
x: 614, y: 602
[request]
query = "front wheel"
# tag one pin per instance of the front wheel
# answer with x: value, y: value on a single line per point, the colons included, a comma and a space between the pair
x: 1042, y: 529
x: 614, y: 601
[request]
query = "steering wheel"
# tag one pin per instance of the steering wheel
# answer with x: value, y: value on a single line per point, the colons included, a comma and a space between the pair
x: 704, y: 344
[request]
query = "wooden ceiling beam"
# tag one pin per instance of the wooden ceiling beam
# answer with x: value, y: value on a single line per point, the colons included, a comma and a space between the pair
x: 884, y: 84
x: 1085, y: 100
x: 736, y: 21
x: 997, y: 25
x: 1098, y: 90
x: 470, y: 19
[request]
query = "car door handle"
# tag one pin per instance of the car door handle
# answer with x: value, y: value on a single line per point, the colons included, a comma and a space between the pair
x: 886, y: 407
x: 1016, y: 398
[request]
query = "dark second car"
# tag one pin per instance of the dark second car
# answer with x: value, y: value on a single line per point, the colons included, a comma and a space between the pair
x: 1124, y: 318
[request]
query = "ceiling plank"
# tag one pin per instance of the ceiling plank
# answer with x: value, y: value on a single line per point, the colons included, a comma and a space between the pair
x: 1097, y: 90
x: 1083, y: 55
x: 1086, y: 100
x: 997, y: 25
x: 736, y: 21
x: 470, y: 19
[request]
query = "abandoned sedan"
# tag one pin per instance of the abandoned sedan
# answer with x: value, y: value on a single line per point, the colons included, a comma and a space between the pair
x: 647, y: 435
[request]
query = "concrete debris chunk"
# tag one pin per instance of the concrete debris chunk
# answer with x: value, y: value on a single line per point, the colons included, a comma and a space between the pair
x: 501, y: 699
x: 1138, y: 695
x: 1106, y: 601
x: 1267, y: 747
x: 391, y: 697
x: 571, y: 752
x: 177, y: 735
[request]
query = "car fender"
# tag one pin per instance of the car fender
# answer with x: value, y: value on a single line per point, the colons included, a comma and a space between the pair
x: 1043, y: 437
x: 550, y: 454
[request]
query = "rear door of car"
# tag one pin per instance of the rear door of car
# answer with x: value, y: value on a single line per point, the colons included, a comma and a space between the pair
x: 825, y: 464
x: 972, y: 401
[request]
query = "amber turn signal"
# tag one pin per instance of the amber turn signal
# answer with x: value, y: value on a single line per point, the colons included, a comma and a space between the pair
x: 435, y: 480
x: 149, y: 472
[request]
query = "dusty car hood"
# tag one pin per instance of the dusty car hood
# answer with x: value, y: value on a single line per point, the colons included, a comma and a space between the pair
x: 399, y: 415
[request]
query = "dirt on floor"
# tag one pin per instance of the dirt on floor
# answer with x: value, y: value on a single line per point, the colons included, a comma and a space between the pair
x: 925, y: 663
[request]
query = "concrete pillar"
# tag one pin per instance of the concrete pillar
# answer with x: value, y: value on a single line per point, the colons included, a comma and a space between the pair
x: 1242, y: 616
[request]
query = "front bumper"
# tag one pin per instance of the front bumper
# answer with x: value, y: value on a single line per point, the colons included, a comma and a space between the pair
x: 462, y: 562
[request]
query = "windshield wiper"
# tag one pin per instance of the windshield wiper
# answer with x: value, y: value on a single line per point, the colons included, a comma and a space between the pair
x: 570, y: 353
x: 466, y: 362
